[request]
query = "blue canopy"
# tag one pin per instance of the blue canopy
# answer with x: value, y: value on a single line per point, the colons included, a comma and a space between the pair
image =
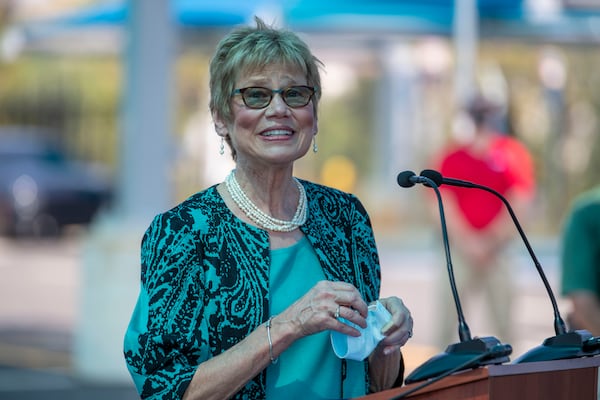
x: 426, y: 16
x: 304, y: 14
x: 343, y: 15
x: 498, y: 18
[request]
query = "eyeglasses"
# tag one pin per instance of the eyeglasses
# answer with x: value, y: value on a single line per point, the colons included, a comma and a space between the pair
x: 260, y: 97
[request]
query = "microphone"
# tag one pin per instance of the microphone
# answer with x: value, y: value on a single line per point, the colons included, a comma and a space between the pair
x: 456, y: 356
x: 408, y: 179
x: 579, y: 343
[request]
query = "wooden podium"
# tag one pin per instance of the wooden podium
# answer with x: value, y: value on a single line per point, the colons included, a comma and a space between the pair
x: 570, y: 379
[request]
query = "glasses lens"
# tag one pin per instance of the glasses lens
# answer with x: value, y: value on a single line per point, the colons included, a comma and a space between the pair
x: 297, y: 96
x: 257, y: 97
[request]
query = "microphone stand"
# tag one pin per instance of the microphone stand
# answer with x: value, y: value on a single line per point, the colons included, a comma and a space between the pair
x: 469, y: 352
x: 574, y: 344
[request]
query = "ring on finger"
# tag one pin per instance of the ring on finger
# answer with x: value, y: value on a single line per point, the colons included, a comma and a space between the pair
x: 337, y: 312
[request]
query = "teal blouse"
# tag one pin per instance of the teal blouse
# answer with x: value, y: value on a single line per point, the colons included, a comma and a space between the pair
x: 308, y: 369
x: 205, y: 283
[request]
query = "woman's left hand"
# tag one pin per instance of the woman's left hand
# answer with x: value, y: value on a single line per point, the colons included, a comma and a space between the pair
x: 400, y: 327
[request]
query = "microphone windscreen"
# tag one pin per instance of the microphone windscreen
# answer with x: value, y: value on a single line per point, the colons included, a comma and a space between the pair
x: 435, y: 176
x: 404, y: 179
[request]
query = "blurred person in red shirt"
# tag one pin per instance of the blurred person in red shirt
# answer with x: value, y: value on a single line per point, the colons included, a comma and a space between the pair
x: 479, y: 227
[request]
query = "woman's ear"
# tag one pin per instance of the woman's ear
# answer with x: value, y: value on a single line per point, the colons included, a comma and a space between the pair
x: 220, y: 126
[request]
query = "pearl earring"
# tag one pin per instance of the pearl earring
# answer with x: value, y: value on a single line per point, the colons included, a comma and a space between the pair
x: 315, y: 147
x: 222, y: 149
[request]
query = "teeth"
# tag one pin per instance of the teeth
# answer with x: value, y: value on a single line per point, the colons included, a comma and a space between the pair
x: 277, y: 133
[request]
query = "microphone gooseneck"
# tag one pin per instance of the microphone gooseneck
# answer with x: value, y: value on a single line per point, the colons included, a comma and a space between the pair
x: 468, y: 353
x: 559, y: 324
x: 579, y: 343
x: 408, y: 179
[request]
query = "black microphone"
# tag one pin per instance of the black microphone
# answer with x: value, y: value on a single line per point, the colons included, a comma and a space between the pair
x: 456, y: 356
x: 565, y: 344
x: 408, y: 179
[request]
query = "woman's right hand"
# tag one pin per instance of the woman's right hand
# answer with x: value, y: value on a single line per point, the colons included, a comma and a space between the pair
x: 319, y: 309
x: 314, y: 312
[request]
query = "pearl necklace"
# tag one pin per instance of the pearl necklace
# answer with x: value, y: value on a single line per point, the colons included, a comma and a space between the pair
x: 261, y: 218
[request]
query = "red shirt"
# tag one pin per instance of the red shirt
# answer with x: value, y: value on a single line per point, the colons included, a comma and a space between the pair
x: 506, y: 166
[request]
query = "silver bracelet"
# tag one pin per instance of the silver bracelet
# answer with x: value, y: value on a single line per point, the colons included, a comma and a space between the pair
x: 273, y: 359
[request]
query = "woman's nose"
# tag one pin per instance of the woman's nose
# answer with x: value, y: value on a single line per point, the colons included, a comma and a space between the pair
x: 277, y: 105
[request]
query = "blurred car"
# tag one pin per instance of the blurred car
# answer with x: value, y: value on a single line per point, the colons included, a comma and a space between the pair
x: 41, y: 189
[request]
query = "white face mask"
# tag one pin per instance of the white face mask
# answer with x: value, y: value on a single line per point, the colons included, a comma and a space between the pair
x: 358, y: 348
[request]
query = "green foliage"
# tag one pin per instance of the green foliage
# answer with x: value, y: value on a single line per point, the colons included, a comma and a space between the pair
x: 75, y: 98
x: 81, y: 97
x: 346, y: 128
x: 564, y: 141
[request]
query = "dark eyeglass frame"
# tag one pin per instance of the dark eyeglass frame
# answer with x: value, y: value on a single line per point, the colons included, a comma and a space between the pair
x: 282, y: 92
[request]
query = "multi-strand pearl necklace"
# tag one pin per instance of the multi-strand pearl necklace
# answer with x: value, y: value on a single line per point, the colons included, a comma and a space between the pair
x: 261, y: 218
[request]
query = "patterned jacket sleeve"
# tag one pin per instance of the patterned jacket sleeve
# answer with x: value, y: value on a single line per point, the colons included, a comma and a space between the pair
x: 165, y: 340
x: 366, y: 259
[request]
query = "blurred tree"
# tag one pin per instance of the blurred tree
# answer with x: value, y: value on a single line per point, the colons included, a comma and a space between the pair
x: 75, y: 98
x: 345, y: 128
x: 80, y: 97
x: 560, y: 125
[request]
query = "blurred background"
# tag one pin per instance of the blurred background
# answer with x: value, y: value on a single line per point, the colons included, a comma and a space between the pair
x: 104, y: 122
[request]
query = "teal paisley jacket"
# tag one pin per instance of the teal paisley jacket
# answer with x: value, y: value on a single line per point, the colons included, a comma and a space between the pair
x: 205, y: 283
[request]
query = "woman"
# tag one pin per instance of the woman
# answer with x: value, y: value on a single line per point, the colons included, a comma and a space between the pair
x: 243, y: 282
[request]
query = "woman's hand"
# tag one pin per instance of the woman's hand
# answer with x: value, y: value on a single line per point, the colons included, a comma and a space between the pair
x: 319, y: 309
x: 385, y: 362
x: 400, y: 327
